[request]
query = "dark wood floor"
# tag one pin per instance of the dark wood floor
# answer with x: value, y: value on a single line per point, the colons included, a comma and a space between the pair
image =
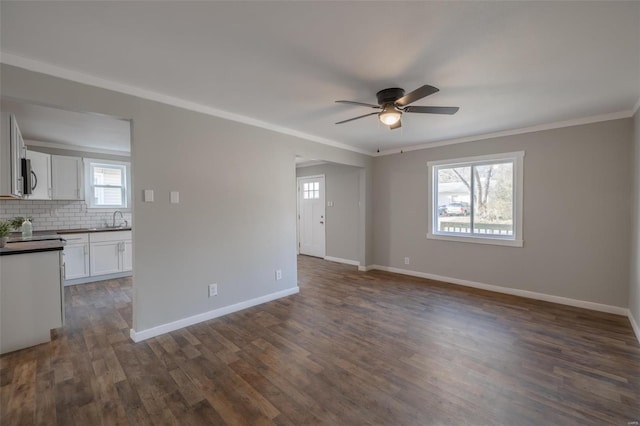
x: 352, y: 348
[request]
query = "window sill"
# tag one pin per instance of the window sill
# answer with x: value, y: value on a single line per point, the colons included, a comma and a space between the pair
x: 477, y: 240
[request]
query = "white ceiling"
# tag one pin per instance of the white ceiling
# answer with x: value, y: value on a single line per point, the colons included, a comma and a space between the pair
x: 507, y: 65
x: 71, y: 130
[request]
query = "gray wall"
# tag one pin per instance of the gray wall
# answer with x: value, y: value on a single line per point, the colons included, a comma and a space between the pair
x: 342, y: 187
x: 634, y: 289
x: 577, y: 183
x: 235, y: 223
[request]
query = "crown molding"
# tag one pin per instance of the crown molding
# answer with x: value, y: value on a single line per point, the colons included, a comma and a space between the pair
x: 520, y: 131
x: 69, y: 147
x: 88, y: 79
x: 83, y: 78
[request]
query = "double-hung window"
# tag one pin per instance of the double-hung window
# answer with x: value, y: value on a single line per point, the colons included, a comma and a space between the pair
x: 107, y: 184
x: 477, y: 199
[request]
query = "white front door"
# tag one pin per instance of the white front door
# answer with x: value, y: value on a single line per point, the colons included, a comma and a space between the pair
x: 311, y: 215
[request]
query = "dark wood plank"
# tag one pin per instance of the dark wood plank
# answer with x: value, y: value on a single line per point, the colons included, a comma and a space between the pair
x: 351, y: 348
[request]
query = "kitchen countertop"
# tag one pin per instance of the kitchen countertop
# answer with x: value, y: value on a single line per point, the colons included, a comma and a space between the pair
x: 88, y: 230
x: 22, y: 247
x: 72, y: 231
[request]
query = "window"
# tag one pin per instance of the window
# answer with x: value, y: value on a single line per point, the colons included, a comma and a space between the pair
x: 311, y: 190
x: 107, y: 184
x: 477, y: 199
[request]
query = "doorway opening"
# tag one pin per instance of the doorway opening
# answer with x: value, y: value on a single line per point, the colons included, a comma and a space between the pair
x: 83, y: 193
x: 311, y: 216
x: 330, y: 215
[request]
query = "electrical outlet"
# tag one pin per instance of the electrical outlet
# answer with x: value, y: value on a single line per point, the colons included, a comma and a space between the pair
x: 213, y: 290
x: 278, y: 274
x: 406, y: 260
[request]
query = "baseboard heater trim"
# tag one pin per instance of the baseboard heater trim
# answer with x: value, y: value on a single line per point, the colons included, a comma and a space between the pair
x: 96, y: 278
x: 340, y: 260
x: 138, y: 336
x: 506, y: 290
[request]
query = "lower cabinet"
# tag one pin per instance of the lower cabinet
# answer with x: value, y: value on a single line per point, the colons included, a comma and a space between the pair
x: 31, y: 301
x: 97, y: 254
x: 106, y: 258
x: 76, y: 256
x: 110, y: 252
x: 127, y: 255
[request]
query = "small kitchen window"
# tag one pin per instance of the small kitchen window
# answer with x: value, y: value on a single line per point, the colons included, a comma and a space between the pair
x: 107, y: 184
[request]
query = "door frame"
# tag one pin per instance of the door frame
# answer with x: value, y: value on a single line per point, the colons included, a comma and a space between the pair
x: 324, y: 206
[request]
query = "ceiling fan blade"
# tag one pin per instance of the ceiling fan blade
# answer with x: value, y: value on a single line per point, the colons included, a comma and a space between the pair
x: 432, y: 109
x: 419, y: 93
x: 396, y: 126
x: 359, y: 103
x: 356, y: 118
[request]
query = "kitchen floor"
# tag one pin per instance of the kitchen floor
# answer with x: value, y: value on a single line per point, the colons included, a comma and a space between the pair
x: 351, y: 348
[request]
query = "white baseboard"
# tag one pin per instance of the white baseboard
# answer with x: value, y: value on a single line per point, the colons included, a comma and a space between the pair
x: 513, y: 291
x: 365, y: 268
x: 339, y: 260
x: 634, y: 325
x: 138, y: 336
x: 95, y: 278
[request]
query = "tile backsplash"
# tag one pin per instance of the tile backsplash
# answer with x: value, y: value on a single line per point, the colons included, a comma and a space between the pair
x: 59, y: 214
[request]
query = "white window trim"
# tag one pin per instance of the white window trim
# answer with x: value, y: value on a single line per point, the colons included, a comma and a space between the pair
x: 89, y: 184
x: 516, y: 240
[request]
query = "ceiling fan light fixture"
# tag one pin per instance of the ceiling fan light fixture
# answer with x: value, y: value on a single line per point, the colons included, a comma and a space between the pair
x: 389, y: 115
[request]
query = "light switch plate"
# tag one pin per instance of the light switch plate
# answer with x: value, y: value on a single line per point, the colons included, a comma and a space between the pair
x: 148, y: 195
x: 175, y: 197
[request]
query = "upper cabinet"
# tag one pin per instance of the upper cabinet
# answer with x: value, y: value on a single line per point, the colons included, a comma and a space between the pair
x: 40, y: 175
x: 12, y: 151
x: 66, y: 178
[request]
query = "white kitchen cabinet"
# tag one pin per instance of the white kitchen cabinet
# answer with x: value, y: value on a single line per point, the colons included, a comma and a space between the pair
x: 110, y: 252
x: 127, y: 256
x: 30, y: 299
x: 106, y: 258
x: 76, y: 256
x: 66, y: 178
x: 41, y: 175
x: 12, y: 151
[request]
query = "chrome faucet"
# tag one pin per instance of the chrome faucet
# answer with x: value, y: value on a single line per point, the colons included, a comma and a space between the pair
x: 114, y: 217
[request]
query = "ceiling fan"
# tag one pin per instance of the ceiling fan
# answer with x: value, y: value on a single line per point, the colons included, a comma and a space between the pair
x: 393, y: 102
